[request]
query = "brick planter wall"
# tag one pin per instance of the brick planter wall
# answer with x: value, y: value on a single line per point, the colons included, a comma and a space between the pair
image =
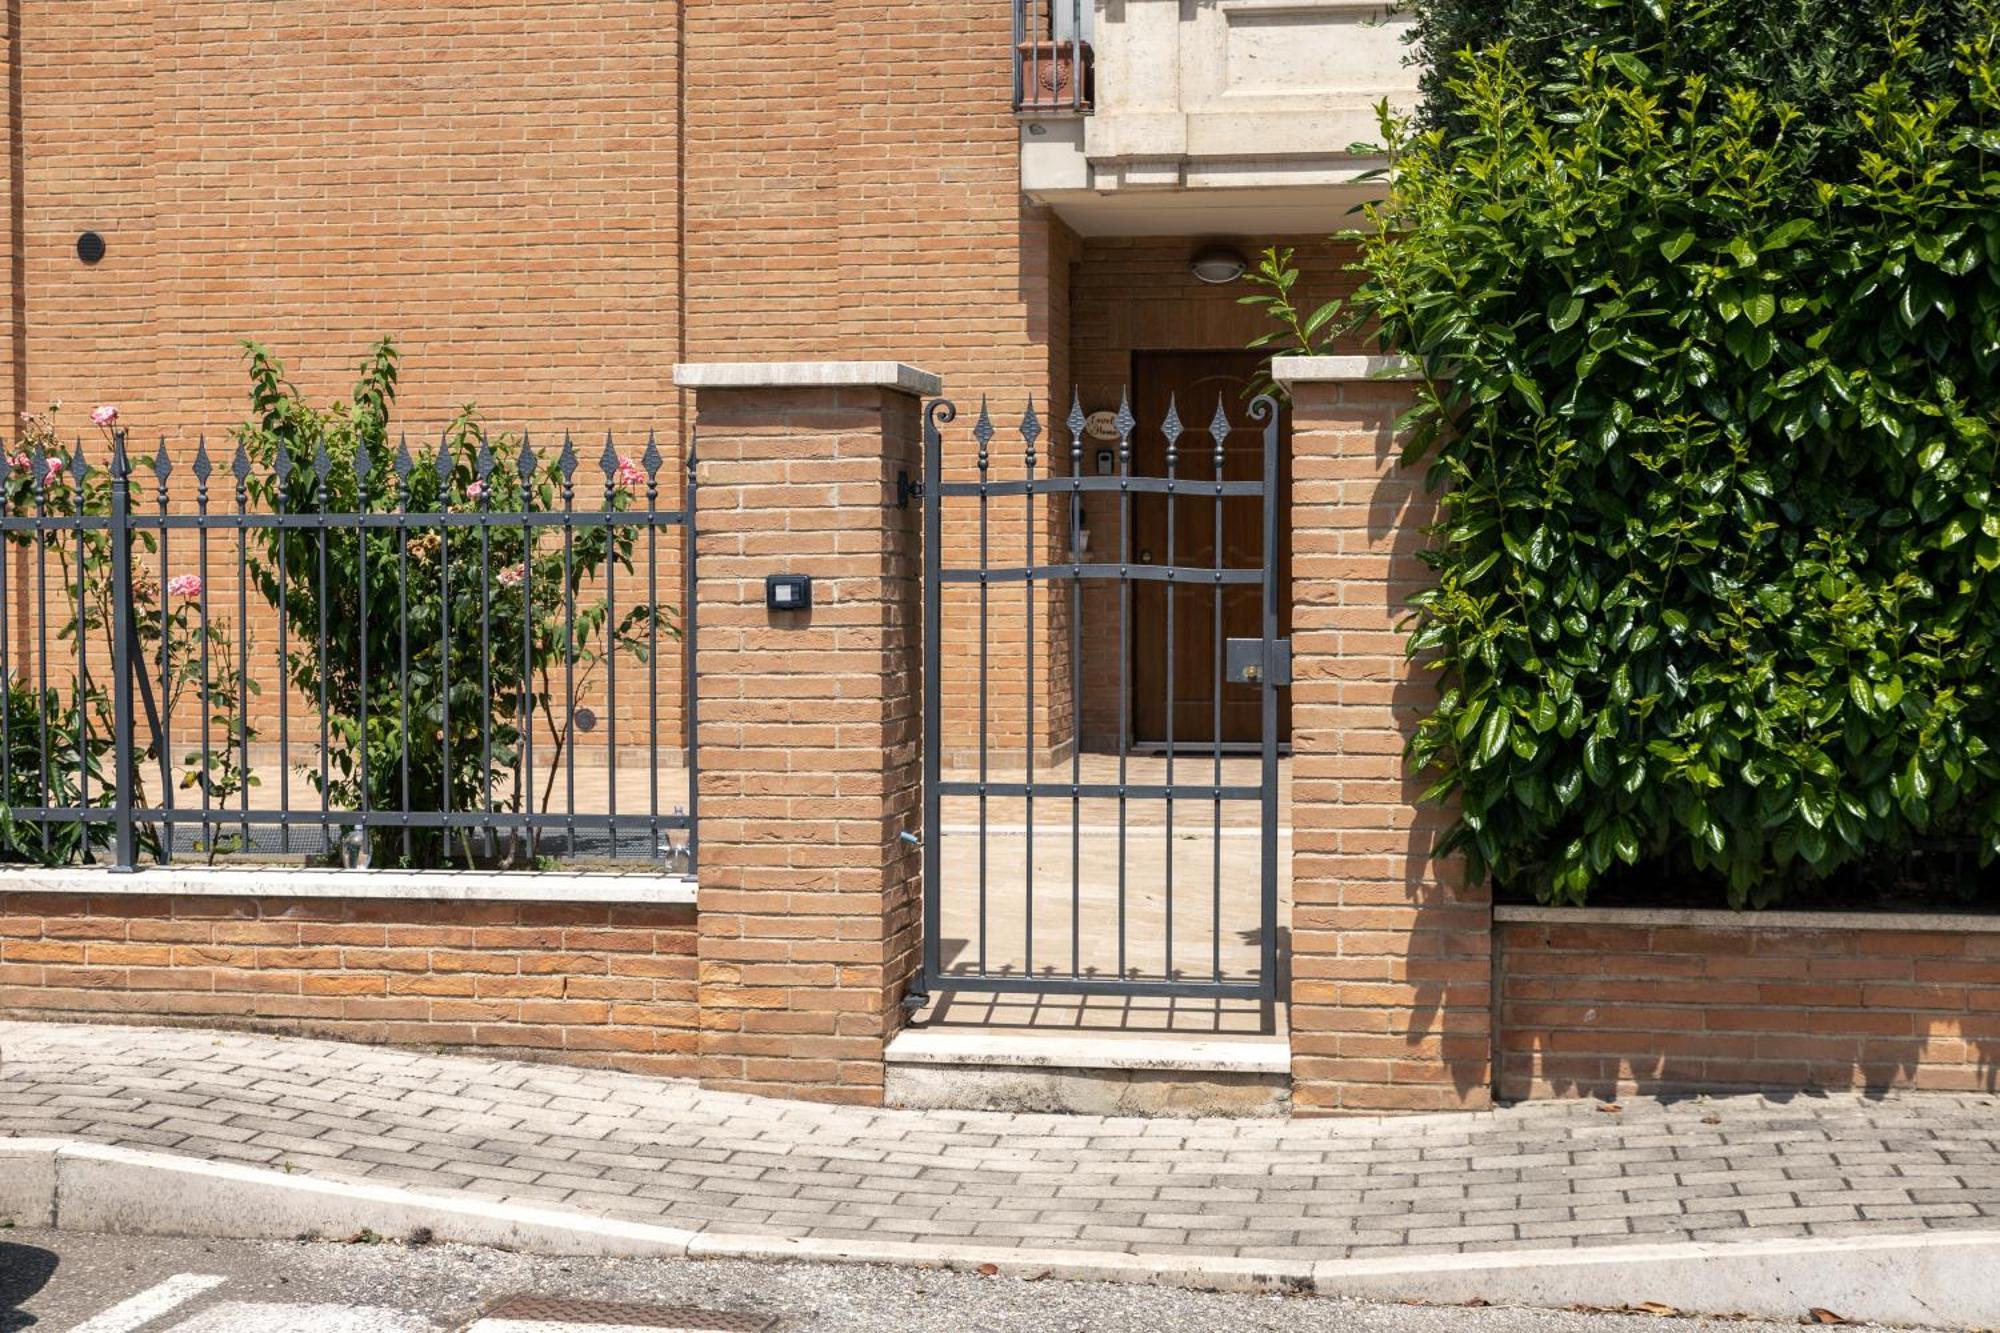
x: 1601, y: 1002
x: 596, y: 983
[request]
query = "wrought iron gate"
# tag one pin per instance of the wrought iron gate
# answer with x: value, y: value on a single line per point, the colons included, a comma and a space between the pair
x: 1111, y: 928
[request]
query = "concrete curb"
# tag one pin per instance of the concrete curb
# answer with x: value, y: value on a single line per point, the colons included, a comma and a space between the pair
x: 1937, y: 1278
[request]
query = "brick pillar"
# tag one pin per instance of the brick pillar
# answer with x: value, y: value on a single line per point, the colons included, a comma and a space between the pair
x: 810, y: 723
x: 1391, y: 948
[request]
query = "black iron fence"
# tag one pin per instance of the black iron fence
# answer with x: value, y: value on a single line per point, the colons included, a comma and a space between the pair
x: 343, y: 649
x: 1053, y: 69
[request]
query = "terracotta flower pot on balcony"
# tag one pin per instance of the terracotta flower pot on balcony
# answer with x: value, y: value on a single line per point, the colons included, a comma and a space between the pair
x: 1049, y: 76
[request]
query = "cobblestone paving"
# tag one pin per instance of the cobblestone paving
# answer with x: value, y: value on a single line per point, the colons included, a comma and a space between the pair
x: 1545, y: 1175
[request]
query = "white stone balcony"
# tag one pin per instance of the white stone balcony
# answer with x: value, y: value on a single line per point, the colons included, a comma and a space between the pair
x: 1198, y: 116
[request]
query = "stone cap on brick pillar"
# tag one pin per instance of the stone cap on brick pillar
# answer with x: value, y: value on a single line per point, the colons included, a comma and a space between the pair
x: 1290, y: 370
x: 894, y: 375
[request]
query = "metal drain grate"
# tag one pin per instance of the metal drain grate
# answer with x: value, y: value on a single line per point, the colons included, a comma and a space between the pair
x: 559, y: 1309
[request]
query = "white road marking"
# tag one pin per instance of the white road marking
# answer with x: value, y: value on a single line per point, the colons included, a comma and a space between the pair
x: 259, y: 1317
x: 545, y: 1326
x: 137, y: 1311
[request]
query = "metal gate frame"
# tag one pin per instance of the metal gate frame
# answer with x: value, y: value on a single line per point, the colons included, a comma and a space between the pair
x: 1264, y: 661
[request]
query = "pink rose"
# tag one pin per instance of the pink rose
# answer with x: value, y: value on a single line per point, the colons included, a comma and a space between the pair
x: 512, y: 576
x: 19, y: 462
x: 106, y: 415
x: 52, y: 468
x: 475, y: 490
x: 629, y: 475
x: 184, y: 585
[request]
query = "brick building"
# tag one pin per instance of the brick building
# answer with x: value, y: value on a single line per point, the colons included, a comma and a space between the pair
x: 553, y: 204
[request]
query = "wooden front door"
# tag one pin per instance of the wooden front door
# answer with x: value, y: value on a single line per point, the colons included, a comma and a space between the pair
x: 1194, y: 382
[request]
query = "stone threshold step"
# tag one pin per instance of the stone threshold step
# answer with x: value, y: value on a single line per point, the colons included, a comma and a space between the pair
x: 1271, y: 1056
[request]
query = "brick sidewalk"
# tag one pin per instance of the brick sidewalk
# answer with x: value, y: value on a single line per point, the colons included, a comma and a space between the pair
x: 1539, y: 1176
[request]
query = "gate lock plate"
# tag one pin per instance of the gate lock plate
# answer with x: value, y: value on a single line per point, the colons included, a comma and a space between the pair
x: 1245, y: 662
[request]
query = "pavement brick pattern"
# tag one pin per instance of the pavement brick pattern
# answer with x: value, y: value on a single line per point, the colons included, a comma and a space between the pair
x: 1536, y: 1176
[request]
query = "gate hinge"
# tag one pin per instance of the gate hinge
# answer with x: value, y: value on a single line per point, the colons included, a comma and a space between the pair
x: 1246, y: 663
x: 907, y: 490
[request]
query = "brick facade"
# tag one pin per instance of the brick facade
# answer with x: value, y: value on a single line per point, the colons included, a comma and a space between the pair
x: 1390, y: 947
x: 1604, y: 1003
x: 590, y: 983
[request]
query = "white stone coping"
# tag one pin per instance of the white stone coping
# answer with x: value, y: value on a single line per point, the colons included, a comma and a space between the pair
x: 1023, y: 1050
x: 1962, y: 923
x: 1290, y: 370
x: 806, y: 375
x: 462, y: 886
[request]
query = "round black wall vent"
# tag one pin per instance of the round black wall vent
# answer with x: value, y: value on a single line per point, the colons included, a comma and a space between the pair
x: 90, y: 247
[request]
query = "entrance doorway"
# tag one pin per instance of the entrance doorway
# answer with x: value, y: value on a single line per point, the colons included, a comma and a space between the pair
x: 1192, y: 383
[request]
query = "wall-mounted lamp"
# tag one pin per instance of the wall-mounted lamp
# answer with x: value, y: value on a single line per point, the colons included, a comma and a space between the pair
x: 1218, y: 264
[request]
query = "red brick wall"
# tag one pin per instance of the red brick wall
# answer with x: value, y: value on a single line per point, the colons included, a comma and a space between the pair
x: 584, y: 983
x: 550, y: 201
x: 1596, y: 1008
x: 495, y: 182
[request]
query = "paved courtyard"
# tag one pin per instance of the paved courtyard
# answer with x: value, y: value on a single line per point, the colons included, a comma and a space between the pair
x: 1546, y: 1175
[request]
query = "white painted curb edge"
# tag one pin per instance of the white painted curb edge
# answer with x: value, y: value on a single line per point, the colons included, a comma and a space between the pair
x: 1938, y: 1278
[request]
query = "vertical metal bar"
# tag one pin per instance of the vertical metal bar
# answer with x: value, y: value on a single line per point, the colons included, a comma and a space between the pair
x: 241, y: 469
x: 611, y: 649
x: 1035, y: 52
x: 324, y: 662
x: 1172, y: 429
x: 207, y: 688
x: 1125, y: 423
x: 164, y: 739
x: 526, y: 468
x: 366, y: 571
x: 653, y: 644
x: 690, y: 674
x: 1019, y: 36
x: 937, y: 413
x: 40, y: 463
x: 1030, y: 431
x: 284, y: 507
x: 443, y: 503
x: 483, y: 470
x: 1076, y: 424
x: 569, y: 640
x: 403, y: 636
x: 1076, y: 56
x: 7, y: 795
x: 1219, y: 432
x: 983, y: 433
x: 1265, y: 409
x: 125, y: 853
x: 79, y: 470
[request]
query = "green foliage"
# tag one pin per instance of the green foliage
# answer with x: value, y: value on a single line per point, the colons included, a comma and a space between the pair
x: 66, y: 722
x: 1716, y: 434
x: 1814, y: 55
x: 46, y: 766
x: 472, y: 635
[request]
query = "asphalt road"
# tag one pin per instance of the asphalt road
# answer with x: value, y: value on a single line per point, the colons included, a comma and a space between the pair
x: 70, y: 1283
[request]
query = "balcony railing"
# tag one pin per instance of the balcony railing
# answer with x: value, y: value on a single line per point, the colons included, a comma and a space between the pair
x: 1052, y: 56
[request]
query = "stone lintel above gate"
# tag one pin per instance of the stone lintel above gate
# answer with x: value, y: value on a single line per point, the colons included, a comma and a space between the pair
x: 806, y: 375
x: 1391, y: 945
x: 1295, y: 370
x: 809, y: 733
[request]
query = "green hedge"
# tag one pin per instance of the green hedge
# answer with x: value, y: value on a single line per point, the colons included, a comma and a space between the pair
x: 1714, y: 576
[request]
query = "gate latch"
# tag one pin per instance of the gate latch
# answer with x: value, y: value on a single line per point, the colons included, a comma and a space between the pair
x: 1246, y: 663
